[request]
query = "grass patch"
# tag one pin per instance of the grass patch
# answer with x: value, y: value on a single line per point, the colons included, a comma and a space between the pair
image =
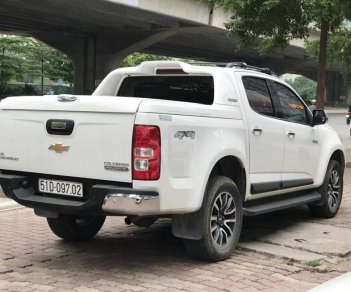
x: 313, y: 264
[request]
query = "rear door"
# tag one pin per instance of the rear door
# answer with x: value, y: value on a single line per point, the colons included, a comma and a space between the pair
x: 266, y: 137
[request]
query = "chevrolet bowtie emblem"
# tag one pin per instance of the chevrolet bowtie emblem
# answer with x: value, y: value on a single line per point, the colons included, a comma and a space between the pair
x: 59, y: 147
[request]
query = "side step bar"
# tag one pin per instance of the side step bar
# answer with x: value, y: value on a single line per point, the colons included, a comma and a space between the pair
x: 258, y: 207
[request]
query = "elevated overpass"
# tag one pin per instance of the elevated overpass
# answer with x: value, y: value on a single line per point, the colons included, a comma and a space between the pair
x: 99, y: 34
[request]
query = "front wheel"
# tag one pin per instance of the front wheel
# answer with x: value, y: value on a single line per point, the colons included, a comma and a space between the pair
x: 222, y: 221
x: 331, y: 191
x: 76, y: 228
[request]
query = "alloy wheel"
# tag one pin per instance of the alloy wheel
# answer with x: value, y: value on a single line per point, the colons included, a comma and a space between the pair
x: 334, y: 189
x: 223, y: 219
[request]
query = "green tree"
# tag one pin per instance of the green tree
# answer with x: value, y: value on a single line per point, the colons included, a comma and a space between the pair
x: 137, y: 58
x: 338, y: 50
x: 272, y: 24
x: 11, y: 58
x: 61, y: 67
x: 305, y: 87
x: 23, y: 56
x: 44, y: 61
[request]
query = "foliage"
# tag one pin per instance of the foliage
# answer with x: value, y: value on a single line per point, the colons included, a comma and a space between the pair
x: 272, y: 24
x: 26, y: 57
x: 61, y: 67
x: 305, y: 87
x: 11, y: 58
x: 137, y: 58
x: 338, y: 50
x: 313, y: 263
x: 44, y: 61
x: 13, y: 90
x: 277, y: 22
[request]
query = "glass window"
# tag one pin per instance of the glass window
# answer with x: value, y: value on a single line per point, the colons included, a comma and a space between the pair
x: 290, y: 106
x: 197, y: 89
x: 258, y: 95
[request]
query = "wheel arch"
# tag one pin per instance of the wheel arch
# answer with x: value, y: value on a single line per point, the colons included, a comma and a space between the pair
x: 189, y: 226
x: 232, y: 167
x: 339, y: 156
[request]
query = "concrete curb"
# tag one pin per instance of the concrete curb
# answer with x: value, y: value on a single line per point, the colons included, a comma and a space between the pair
x: 7, y: 204
x: 281, y: 251
x: 337, y: 111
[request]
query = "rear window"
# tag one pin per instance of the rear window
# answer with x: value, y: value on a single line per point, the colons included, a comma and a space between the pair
x: 258, y: 95
x: 197, y: 89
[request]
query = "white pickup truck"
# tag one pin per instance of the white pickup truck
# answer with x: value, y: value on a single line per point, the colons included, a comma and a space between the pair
x: 202, y: 145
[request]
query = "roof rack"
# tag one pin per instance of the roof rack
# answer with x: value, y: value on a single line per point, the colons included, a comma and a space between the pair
x: 245, y: 66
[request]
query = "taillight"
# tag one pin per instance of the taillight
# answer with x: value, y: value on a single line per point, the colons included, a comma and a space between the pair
x: 146, y: 153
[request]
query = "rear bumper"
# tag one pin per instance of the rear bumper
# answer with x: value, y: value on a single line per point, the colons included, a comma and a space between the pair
x: 98, y: 199
x: 132, y: 202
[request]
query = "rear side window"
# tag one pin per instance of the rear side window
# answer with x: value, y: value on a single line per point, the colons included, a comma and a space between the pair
x: 258, y: 95
x: 197, y: 89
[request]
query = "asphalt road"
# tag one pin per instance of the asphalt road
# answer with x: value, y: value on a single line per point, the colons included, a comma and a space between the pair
x: 338, y: 122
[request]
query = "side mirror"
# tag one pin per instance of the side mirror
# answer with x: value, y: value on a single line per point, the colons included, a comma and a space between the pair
x: 319, y: 117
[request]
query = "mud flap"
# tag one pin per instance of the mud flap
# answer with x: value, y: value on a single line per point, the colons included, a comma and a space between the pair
x: 189, y: 226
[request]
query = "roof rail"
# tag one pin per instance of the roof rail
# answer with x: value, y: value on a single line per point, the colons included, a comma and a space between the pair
x: 249, y: 67
x: 204, y: 63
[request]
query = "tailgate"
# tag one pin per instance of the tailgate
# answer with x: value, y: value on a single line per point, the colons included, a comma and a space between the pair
x: 99, y: 146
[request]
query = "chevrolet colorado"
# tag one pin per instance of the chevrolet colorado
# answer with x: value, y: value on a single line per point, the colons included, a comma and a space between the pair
x: 202, y: 145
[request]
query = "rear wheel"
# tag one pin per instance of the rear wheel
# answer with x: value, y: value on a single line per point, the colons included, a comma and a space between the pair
x: 331, y: 191
x: 76, y: 228
x: 222, y: 221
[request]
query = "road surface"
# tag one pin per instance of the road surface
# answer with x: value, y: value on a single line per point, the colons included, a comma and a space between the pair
x: 338, y: 122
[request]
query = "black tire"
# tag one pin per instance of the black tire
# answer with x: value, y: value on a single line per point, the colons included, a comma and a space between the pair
x: 331, y: 190
x: 76, y: 228
x: 222, y: 221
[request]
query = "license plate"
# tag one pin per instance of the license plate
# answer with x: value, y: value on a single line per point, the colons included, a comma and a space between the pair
x: 61, y: 187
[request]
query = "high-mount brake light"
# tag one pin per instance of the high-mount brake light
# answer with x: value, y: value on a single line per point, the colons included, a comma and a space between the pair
x: 170, y: 71
x: 146, y: 152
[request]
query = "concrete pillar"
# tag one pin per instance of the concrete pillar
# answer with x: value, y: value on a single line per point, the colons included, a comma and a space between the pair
x: 94, y: 57
x: 84, y: 62
x: 336, y: 92
x: 110, y: 52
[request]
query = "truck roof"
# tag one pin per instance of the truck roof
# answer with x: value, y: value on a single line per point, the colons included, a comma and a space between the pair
x: 221, y: 72
x: 174, y: 67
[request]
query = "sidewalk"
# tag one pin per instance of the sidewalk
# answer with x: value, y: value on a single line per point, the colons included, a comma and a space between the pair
x: 348, y: 157
x: 286, y: 251
x: 296, y: 234
x: 128, y: 258
x: 336, y: 110
x: 7, y: 204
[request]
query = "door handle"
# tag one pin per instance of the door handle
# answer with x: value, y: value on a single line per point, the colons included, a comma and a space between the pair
x: 291, y: 135
x: 257, y: 131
